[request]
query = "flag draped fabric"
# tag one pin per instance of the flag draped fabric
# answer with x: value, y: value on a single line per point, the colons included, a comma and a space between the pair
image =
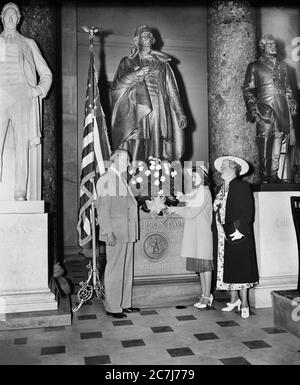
x: 95, y: 150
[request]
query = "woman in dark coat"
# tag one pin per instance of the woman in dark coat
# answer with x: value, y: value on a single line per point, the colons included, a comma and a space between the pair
x: 234, y: 215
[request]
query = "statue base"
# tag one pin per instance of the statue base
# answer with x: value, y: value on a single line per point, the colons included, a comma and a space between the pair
x: 276, y: 242
x: 286, y: 310
x: 24, y: 258
x: 160, y: 276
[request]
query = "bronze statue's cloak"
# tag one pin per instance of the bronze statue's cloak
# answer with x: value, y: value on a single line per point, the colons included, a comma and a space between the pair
x: 131, y: 102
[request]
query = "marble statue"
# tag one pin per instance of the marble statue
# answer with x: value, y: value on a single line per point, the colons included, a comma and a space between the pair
x: 148, y: 117
x: 270, y: 103
x: 21, y: 94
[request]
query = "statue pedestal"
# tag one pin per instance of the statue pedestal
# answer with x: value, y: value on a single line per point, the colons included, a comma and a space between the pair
x: 276, y: 243
x: 286, y: 310
x: 160, y: 277
x: 24, y: 258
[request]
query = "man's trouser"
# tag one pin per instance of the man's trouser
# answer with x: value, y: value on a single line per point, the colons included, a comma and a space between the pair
x: 118, y: 277
x: 15, y: 106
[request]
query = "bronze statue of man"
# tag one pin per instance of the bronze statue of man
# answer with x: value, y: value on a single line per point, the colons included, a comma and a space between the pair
x: 147, y: 118
x: 270, y: 103
x: 20, y: 93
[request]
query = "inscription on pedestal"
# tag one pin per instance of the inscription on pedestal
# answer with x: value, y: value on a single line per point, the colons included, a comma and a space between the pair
x: 158, y: 250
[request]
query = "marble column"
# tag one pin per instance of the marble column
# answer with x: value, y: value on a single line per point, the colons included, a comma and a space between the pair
x: 41, y: 22
x: 231, y: 47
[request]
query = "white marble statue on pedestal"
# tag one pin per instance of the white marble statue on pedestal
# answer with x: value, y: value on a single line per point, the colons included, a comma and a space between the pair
x: 21, y: 93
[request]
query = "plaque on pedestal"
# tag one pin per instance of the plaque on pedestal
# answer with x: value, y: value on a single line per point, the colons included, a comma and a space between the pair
x: 160, y: 276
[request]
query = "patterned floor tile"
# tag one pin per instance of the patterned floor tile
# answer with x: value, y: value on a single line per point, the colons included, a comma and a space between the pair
x: 206, y: 336
x: 235, y: 361
x: 227, y: 323
x: 132, y: 343
x: 259, y: 344
x: 21, y: 341
x: 274, y: 330
x: 53, y: 350
x: 186, y: 318
x: 89, y: 335
x: 162, y: 329
x: 153, y: 337
x: 122, y: 323
x: 148, y: 312
x: 86, y: 317
x: 97, y: 360
x: 180, y: 352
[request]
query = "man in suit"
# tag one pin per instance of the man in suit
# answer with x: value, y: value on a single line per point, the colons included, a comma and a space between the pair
x: 118, y: 222
x: 20, y: 93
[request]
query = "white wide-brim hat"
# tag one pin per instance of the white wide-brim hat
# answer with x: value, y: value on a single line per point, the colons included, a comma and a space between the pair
x: 244, y: 165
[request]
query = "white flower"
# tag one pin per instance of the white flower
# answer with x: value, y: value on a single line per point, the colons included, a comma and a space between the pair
x: 156, y: 183
x: 156, y: 174
x: 141, y: 168
x: 173, y: 173
x: 178, y: 194
x: 167, y: 172
x: 139, y: 179
x: 133, y: 181
x: 158, y: 167
x: 147, y: 172
x: 150, y: 157
x: 141, y: 163
x: 163, y: 178
x: 161, y: 192
x: 152, y: 167
x: 131, y: 172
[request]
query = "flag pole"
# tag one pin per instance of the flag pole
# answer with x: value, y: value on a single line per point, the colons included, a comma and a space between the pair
x: 87, y: 290
x: 95, y: 270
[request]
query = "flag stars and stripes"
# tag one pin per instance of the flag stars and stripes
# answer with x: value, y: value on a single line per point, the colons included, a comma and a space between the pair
x: 95, y: 149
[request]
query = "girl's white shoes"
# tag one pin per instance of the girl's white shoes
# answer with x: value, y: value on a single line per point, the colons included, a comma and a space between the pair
x: 201, y: 305
x: 245, y: 312
x: 238, y: 304
x: 231, y: 306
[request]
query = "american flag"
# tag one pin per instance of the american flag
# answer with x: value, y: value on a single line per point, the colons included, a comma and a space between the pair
x: 95, y: 150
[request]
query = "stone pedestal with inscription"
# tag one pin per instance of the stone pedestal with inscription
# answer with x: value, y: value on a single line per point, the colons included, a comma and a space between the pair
x: 276, y: 245
x: 24, y: 258
x: 160, y: 277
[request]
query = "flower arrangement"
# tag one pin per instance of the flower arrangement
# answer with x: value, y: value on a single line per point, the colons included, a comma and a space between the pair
x: 153, y: 184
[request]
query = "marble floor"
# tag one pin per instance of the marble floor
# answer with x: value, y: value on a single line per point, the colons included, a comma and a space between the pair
x: 163, y: 336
